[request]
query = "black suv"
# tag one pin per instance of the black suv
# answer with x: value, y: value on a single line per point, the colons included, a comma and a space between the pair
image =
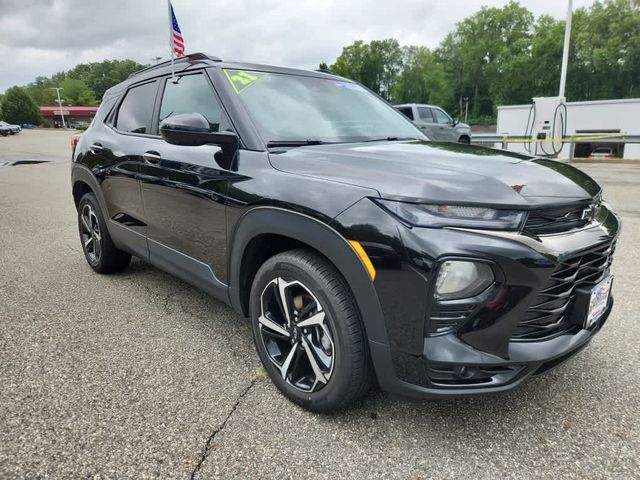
x: 359, y: 249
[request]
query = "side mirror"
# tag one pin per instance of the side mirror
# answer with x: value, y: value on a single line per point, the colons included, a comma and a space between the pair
x: 455, y: 122
x: 192, y: 129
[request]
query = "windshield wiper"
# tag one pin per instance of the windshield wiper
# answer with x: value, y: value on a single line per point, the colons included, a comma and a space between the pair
x: 294, y: 143
x: 389, y: 139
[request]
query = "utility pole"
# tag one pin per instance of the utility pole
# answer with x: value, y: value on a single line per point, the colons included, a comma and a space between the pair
x: 57, y: 89
x: 565, y: 51
x: 156, y: 59
x: 466, y: 108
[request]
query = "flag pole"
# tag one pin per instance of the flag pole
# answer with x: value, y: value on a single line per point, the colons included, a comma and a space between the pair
x: 173, y: 74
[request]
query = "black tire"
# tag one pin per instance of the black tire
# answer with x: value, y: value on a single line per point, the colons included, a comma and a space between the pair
x: 465, y: 140
x: 105, y: 257
x: 351, y: 375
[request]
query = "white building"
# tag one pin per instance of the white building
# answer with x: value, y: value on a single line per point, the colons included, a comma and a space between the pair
x: 597, y: 118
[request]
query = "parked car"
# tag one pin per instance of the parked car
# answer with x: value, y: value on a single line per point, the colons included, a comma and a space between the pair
x: 13, y: 129
x: 600, y: 153
x: 4, y: 131
x: 436, y: 123
x: 79, y: 125
x: 358, y: 248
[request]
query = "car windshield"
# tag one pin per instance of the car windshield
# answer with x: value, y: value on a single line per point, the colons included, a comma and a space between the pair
x: 297, y: 108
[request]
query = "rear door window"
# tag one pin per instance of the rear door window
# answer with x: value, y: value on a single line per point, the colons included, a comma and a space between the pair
x: 136, y: 110
x: 425, y: 114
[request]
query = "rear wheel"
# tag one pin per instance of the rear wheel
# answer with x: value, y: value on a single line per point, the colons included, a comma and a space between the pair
x: 308, y: 331
x: 101, y: 254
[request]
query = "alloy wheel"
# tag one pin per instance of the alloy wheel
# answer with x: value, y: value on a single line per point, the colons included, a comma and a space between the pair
x: 90, y: 233
x: 296, y: 335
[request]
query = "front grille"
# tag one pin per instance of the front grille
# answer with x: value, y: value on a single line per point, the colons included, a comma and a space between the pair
x: 556, y: 220
x: 546, y: 316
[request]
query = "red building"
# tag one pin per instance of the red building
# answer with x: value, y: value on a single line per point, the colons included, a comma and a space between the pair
x: 73, y: 116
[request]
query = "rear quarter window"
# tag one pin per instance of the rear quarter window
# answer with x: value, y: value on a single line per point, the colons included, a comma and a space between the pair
x: 407, y: 112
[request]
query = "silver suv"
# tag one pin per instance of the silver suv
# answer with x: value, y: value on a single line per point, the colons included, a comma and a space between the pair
x: 436, y: 123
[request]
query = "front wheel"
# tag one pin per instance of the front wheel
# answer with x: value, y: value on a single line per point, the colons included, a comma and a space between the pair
x: 308, y: 332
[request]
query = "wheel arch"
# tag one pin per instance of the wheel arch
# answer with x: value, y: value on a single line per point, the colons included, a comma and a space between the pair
x: 82, y: 182
x: 262, y: 223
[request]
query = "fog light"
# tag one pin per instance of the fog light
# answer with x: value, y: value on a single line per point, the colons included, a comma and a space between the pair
x: 462, y: 279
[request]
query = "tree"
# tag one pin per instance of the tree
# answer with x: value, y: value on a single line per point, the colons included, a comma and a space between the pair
x: 18, y: 107
x: 546, y: 57
x: 354, y: 63
x: 386, y: 57
x: 95, y: 78
x: 376, y: 65
x: 423, y: 79
x: 103, y: 75
x: 606, y: 51
x: 76, y: 92
x: 502, y: 56
x: 485, y: 57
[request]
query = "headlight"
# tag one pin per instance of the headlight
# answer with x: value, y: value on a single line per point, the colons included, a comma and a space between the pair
x: 462, y: 279
x: 429, y: 215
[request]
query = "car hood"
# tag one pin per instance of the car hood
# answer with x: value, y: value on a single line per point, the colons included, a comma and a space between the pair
x: 441, y: 172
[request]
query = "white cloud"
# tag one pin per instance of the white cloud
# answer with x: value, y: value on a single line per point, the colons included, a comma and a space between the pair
x: 41, y: 37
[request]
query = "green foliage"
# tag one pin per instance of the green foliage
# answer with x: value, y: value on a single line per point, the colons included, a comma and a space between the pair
x: 18, y: 107
x: 76, y: 92
x: 104, y: 75
x: 485, y: 57
x: 422, y: 80
x: 504, y: 56
x: 84, y: 84
x: 376, y: 65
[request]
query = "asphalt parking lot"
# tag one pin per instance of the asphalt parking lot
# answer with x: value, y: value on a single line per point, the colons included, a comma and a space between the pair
x: 139, y: 375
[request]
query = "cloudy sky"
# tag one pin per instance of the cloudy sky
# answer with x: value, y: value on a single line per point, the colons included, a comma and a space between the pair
x: 41, y: 37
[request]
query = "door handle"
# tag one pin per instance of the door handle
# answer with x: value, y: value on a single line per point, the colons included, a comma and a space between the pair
x: 151, y: 157
x: 95, y: 148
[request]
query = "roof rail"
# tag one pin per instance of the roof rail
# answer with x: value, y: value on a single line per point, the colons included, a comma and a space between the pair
x: 191, y: 58
x: 326, y: 70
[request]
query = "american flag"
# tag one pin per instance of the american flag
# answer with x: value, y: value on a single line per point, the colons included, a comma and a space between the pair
x: 176, y: 38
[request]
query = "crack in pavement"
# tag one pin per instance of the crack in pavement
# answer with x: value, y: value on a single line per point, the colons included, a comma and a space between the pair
x: 208, y: 445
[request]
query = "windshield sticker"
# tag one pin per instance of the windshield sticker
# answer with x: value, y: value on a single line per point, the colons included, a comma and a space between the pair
x: 348, y: 85
x: 241, y: 79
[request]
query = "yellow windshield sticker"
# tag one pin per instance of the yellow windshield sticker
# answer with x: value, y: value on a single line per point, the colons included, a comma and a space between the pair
x: 241, y: 79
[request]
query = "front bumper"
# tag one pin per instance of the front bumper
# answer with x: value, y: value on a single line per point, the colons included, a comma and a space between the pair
x: 484, y: 355
x: 436, y: 374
